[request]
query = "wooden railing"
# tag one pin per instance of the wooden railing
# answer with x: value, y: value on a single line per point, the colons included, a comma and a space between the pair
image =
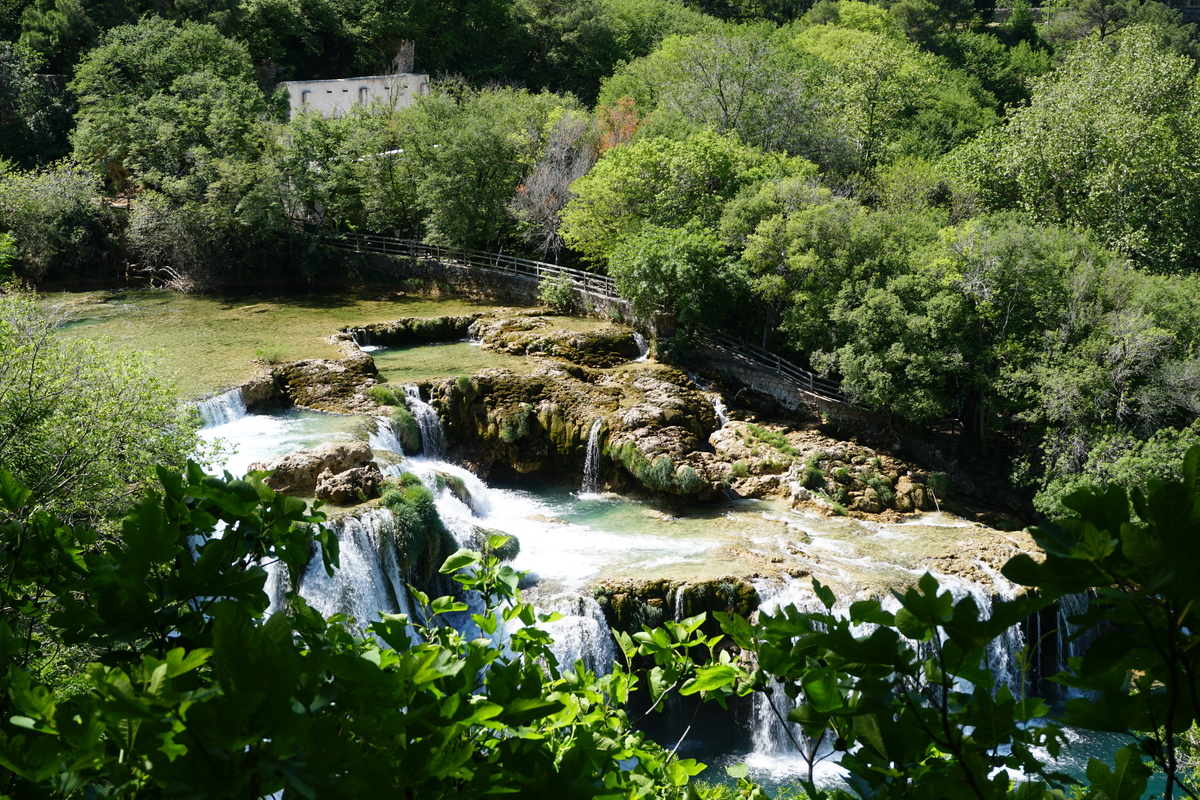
x: 600, y: 286
x: 804, y: 379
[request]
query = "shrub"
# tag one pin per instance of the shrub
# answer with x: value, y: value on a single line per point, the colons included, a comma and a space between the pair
x: 383, y: 395
x: 739, y: 469
x: 270, y: 354
x: 886, y: 495
x: 941, y: 484
x: 661, y: 474
x: 407, y: 430
x: 812, y: 476
x: 557, y: 292
x: 688, y: 481
x: 775, y: 439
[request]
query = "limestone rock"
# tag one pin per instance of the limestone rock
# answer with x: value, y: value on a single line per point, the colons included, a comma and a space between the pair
x: 529, y: 334
x: 630, y: 604
x: 297, y: 473
x: 263, y: 393
x: 337, y: 385
x: 349, y: 487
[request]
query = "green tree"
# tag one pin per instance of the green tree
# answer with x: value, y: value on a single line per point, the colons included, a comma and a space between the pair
x: 160, y: 103
x: 676, y: 270
x: 666, y: 183
x: 1109, y: 142
x: 470, y: 149
x: 33, y: 120
x: 57, y: 222
x: 82, y: 424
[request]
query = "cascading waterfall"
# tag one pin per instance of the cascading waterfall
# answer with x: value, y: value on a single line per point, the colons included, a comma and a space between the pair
x: 1070, y: 645
x: 369, y: 580
x: 433, y: 440
x: 591, y: 462
x: 362, y: 338
x: 222, y: 409
x: 384, y: 436
x: 643, y: 346
x: 720, y: 410
x: 582, y: 634
x: 773, y: 739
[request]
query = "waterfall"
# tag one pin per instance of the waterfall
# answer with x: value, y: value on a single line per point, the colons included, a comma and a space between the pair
x: 591, y: 461
x: 719, y: 409
x: 384, y: 437
x: 643, y: 346
x: 369, y: 580
x: 362, y: 338
x: 581, y: 635
x: 433, y: 441
x: 222, y: 409
x: 1070, y: 645
x: 770, y: 736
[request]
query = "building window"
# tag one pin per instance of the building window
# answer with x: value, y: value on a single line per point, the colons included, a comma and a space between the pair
x: 363, y: 91
x: 304, y: 97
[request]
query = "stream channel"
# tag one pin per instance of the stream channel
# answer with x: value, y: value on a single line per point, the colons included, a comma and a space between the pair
x: 569, y: 538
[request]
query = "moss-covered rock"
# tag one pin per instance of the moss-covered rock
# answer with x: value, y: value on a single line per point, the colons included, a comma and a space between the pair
x: 652, y: 426
x: 337, y: 385
x: 413, y: 330
x: 531, y: 334
x: 630, y: 604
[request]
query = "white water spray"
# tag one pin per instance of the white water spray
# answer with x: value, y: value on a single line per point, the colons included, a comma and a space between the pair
x: 719, y: 409
x: 384, y: 437
x: 433, y: 440
x: 222, y: 409
x: 643, y: 346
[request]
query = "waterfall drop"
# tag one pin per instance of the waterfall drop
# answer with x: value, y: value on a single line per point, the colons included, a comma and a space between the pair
x: 720, y: 410
x: 384, y: 437
x: 433, y: 440
x: 591, y: 462
x: 222, y: 409
x: 643, y: 346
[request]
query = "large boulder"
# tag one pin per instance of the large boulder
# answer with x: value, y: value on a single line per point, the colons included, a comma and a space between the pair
x: 337, y: 385
x: 352, y: 486
x: 297, y: 473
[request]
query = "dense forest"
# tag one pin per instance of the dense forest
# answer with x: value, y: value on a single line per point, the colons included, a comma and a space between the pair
x: 980, y: 220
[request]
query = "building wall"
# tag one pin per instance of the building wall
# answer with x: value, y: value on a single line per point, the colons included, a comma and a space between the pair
x: 337, y: 97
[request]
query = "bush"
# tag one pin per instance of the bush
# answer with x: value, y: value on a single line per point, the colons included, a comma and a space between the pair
x: 886, y: 495
x: 82, y: 424
x: 270, y: 354
x: 739, y: 469
x: 384, y: 396
x: 558, y: 292
x: 688, y: 481
x: 58, y: 225
x: 812, y: 476
x: 941, y: 484
x: 407, y: 429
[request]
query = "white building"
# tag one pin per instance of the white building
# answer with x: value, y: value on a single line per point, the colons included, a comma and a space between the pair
x: 336, y: 97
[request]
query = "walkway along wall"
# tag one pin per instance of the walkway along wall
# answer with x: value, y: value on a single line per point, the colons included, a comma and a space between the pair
x: 513, y: 279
